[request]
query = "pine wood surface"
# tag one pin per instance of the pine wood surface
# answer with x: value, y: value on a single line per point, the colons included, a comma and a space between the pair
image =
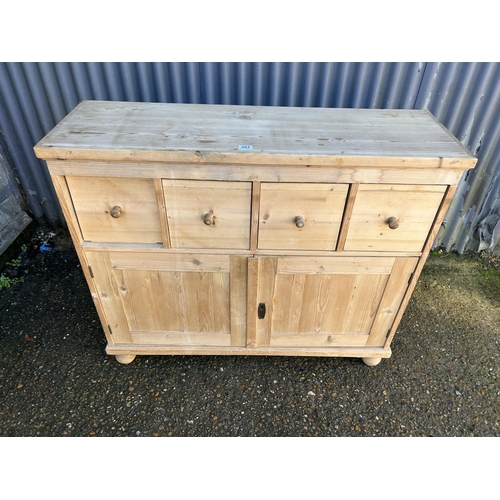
x: 119, y: 131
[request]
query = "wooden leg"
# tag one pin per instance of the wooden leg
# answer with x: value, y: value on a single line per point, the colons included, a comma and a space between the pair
x: 371, y: 361
x: 125, y: 359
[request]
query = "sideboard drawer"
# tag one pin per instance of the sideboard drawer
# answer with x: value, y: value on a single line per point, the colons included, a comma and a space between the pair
x: 116, y: 210
x: 300, y: 216
x: 390, y: 217
x: 208, y: 214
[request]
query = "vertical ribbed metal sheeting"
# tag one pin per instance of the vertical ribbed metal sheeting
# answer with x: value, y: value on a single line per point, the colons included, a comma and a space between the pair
x: 465, y: 97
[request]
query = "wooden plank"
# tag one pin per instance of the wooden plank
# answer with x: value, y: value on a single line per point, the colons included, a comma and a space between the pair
x: 181, y: 339
x: 108, y: 295
x: 414, y: 208
x: 393, y: 295
x: 325, y: 305
x: 320, y: 207
x: 162, y: 213
x: 335, y: 265
x: 148, y: 349
x: 200, y: 133
x: 94, y: 199
x: 288, y: 297
x: 156, y: 248
x: 227, y: 204
x: 252, y: 304
x: 163, y: 261
x: 341, y: 172
x: 346, y: 219
x: 238, y: 277
x: 254, y: 231
x: 265, y: 295
x: 185, y: 303
x: 307, y: 341
x: 450, y: 192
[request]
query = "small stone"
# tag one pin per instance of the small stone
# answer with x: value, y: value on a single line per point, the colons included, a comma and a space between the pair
x: 311, y: 393
x: 19, y: 386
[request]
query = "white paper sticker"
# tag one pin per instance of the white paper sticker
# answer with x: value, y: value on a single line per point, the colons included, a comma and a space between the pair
x: 245, y: 147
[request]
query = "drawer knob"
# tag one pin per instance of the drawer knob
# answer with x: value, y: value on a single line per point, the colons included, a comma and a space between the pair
x: 116, y: 212
x: 208, y: 219
x: 300, y: 222
x: 393, y: 222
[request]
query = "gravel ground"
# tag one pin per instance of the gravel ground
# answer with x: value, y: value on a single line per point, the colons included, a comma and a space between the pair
x: 56, y: 379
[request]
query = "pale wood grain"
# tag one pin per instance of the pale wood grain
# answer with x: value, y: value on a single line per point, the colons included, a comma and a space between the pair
x: 324, y: 305
x: 108, y: 294
x: 393, y: 295
x: 346, y: 219
x: 335, y: 265
x: 170, y: 261
x: 357, y: 172
x: 162, y: 213
x: 94, y: 198
x: 200, y: 133
x: 254, y: 232
x: 149, y: 349
x: 320, y: 205
x: 238, y: 277
x: 228, y: 203
x: 413, y: 206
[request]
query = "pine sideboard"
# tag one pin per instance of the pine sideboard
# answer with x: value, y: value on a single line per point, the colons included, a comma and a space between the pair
x: 251, y: 230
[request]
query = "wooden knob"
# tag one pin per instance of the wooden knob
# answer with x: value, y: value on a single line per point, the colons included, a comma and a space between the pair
x: 393, y: 222
x: 300, y: 222
x: 208, y: 219
x: 116, y: 212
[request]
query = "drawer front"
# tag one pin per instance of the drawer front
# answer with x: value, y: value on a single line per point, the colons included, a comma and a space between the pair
x: 116, y: 210
x: 208, y: 214
x: 300, y: 216
x: 393, y: 217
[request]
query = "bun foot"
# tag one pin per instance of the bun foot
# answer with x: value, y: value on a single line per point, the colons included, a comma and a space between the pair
x: 125, y: 359
x: 371, y: 361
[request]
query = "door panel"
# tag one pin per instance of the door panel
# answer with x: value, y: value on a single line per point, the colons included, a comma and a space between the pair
x: 168, y: 299
x: 337, y: 305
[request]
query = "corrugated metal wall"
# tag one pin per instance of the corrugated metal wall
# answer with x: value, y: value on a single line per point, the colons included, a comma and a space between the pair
x: 465, y: 97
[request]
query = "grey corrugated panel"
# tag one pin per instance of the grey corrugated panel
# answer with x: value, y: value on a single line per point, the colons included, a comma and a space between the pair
x: 17, y: 129
x: 465, y: 97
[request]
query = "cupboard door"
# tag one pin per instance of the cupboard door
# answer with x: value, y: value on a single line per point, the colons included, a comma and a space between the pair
x: 175, y: 300
x: 393, y: 217
x: 324, y: 301
x: 208, y: 214
x: 300, y: 216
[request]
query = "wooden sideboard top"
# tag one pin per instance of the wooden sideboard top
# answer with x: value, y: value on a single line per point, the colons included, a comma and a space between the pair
x: 265, y: 135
